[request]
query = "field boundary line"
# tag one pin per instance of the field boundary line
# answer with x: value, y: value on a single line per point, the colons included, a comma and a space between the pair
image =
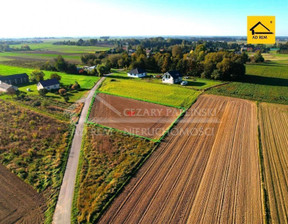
x: 211, y: 87
x: 265, y: 198
x: 75, y: 210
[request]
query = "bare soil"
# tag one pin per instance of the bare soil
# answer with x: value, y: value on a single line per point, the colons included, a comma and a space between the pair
x: 137, y: 117
x: 206, y: 171
x: 19, y: 203
x: 274, y: 138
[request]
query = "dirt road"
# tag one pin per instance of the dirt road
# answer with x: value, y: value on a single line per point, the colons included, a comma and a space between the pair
x: 64, y: 205
x: 206, y: 171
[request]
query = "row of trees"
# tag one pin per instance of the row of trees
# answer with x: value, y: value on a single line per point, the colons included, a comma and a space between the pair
x: 59, y: 64
x: 283, y: 48
x: 7, y: 48
x: 221, y: 65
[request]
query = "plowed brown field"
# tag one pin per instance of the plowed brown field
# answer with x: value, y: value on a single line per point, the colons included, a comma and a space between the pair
x: 137, y: 117
x: 19, y: 203
x: 206, y: 171
x: 274, y: 138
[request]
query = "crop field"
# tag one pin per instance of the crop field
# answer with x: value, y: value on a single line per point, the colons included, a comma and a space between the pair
x: 35, y: 148
x: 133, y: 116
x: 274, y: 138
x: 47, y: 51
x: 206, y: 171
x: 170, y: 95
x: 267, y: 82
x: 86, y: 82
x: 108, y: 159
x: 19, y: 202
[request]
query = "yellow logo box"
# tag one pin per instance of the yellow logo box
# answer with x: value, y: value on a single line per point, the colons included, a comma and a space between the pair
x: 261, y: 29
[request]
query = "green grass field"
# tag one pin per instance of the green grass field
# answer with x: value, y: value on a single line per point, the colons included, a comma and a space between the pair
x: 149, y: 90
x: 86, y: 82
x: 49, y: 46
x: 47, y: 50
x: 266, y: 82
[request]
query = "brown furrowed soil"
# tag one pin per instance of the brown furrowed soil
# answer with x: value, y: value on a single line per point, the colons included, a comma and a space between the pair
x: 274, y: 138
x: 137, y: 117
x: 19, y: 203
x: 35, y: 148
x: 206, y: 171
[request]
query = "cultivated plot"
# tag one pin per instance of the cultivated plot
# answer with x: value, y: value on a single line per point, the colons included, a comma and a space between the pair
x: 133, y: 116
x: 274, y: 138
x: 19, y: 203
x: 206, y: 171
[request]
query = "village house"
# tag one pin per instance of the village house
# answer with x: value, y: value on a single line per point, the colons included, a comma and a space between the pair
x: 18, y: 79
x: 137, y: 73
x: 49, y: 84
x: 172, y: 77
x: 6, y: 88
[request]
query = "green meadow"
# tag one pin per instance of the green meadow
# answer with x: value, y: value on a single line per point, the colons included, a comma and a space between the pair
x: 143, y: 89
x: 86, y: 82
x: 47, y: 51
x: 267, y: 82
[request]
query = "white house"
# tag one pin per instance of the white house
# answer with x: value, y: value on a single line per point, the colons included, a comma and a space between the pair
x: 172, y: 77
x: 48, y: 84
x: 4, y: 87
x: 137, y: 73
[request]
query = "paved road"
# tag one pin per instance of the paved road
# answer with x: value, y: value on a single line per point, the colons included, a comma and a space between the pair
x: 63, y: 210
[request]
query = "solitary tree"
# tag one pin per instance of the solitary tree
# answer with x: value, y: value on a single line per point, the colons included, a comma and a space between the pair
x: 43, y: 92
x: 37, y: 76
x: 55, y: 76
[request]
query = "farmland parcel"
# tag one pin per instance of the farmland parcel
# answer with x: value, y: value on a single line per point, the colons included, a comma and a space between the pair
x: 19, y: 202
x: 274, y: 138
x: 35, y: 148
x: 133, y: 116
x: 206, y: 171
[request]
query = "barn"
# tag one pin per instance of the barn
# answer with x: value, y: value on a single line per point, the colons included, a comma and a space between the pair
x: 6, y: 88
x: 18, y: 79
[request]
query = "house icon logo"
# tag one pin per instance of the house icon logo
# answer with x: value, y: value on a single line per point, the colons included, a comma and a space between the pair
x: 257, y: 24
x: 261, y: 29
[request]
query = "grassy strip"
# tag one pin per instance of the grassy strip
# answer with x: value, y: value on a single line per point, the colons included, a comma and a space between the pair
x: 262, y: 174
x: 147, y: 101
x: 172, y: 125
x: 123, y: 132
x: 120, y: 189
x: 75, y: 211
x: 90, y: 107
x: 53, y: 200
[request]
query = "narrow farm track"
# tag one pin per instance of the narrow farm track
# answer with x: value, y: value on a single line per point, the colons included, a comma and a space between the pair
x: 274, y: 138
x: 64, y: 204
x: 182, y: 180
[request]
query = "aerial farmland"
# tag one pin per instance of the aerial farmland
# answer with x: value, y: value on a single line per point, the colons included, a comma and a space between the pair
x: 160, y: 112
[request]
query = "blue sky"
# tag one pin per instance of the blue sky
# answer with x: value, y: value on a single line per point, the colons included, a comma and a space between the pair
x: 136, y: 17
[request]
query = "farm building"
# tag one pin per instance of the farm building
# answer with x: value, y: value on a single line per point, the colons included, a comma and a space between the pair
x: 17, y: 79
x: 137, y: 73
x: 172, y: 77
x: 4, y: 87
x: 48, y: 84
